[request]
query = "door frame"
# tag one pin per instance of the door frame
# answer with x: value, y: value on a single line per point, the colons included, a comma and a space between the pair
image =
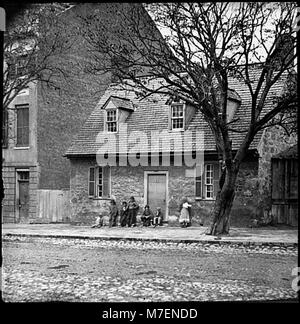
x: 17, y: 210
x: 166, y: 173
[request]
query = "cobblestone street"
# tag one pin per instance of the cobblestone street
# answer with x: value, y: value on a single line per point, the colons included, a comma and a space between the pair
x: 84, y: 270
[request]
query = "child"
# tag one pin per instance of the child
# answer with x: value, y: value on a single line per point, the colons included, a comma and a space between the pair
x: 132, y: 211
x: 147, y: 216
x: 99, y: 221
x: 124, y: 214
x: 157, y: 217
x: 113, y: 214
x: 184, y: 218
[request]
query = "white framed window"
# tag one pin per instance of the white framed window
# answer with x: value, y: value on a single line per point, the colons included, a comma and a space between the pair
x: 111, y: 120
x: 209, y: 184
x: 177, y: 116
x: 99, y: 182
x: 206, y: 184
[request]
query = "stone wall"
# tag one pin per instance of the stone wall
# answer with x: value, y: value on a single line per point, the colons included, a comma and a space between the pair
x: 129, y: 181
x: 274, y: 140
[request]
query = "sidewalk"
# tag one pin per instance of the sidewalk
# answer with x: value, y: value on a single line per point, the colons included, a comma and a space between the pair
x: 245, y: 236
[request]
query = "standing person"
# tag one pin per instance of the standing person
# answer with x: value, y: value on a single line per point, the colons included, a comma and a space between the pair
x: 184, y: 218
x: 124, y: 214
x: 132, y: 211
x: 147, y: 216
x: 113, y: 213
x: 157, y: 217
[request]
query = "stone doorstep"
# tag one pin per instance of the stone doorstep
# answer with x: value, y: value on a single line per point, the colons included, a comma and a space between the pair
x: 163, y: 240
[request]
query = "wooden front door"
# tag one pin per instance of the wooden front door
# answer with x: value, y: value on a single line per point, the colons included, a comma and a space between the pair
x: 23, y: 196
x: 157, y: 192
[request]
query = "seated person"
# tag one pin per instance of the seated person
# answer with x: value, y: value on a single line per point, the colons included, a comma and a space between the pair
x: 157, y: 220
x: 99, y: 221
x: 147, y: 216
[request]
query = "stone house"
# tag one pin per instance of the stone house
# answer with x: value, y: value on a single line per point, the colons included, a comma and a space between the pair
x: 147, y: 148
x: 40, y: 123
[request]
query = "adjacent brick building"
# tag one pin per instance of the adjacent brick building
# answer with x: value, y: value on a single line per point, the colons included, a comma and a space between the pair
x: 49, y: 117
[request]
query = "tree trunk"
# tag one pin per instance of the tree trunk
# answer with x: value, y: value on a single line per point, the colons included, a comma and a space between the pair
x: 223, y: 205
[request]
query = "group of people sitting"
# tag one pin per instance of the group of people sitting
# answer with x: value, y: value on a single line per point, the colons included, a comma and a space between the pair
x: 127, y: 215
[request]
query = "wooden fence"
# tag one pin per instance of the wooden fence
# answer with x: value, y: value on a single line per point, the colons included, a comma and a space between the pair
x: 53, y: 206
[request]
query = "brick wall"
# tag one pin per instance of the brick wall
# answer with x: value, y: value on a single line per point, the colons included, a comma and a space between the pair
x: 129, y: 181
x: 64, y: 108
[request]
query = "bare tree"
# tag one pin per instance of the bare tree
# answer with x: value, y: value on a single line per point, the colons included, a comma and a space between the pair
x: 34, y: 41
x: 204, y: 45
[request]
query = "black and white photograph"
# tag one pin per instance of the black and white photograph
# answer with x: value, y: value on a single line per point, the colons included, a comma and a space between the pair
x: 149, y: 154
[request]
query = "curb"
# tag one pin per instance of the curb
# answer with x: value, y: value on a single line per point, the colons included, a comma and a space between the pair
x: 116, y: 238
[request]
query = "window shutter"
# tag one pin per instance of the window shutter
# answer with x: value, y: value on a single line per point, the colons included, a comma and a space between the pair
x: 216, y: 179
x: 199, y: 186
x: 92, y: 182
x: 185, y: 117
x: 170, y: 117
x: 199, y: 182
x: 106, y: 181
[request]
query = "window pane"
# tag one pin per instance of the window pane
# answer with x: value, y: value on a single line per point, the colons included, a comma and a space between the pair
x: 100, y: 192
x: 22, y: 125
x: 100, y: 180
x: 112, y: 126
x: 177, y: 123
x: 209, y: 191
x: 111, y: 115
x: 92, y: 174
x: 177, y: 111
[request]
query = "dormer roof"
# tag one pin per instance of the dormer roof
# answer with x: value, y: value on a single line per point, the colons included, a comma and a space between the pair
x: 118, y: 103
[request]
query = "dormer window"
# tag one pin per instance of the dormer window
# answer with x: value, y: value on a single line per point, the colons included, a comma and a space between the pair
x: 111, y: 120
x: 177, y: 116
x: 117, y: 110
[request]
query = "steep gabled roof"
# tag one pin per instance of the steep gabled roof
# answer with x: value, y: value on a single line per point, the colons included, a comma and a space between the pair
x: 152, y: 114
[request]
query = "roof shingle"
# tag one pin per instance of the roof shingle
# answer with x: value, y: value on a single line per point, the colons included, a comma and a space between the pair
x: 151, y: 114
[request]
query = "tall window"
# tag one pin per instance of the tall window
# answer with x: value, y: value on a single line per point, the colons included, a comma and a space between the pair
x: 99, y: 182
x: 177, y: 116
x: 207, y: 184
x: 111, y: 120
x: 5, y: 128
x: 22, y: 125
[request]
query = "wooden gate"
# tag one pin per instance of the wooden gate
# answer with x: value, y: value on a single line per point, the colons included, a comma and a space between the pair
x: 53, y: 206
x: 285, y: 191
